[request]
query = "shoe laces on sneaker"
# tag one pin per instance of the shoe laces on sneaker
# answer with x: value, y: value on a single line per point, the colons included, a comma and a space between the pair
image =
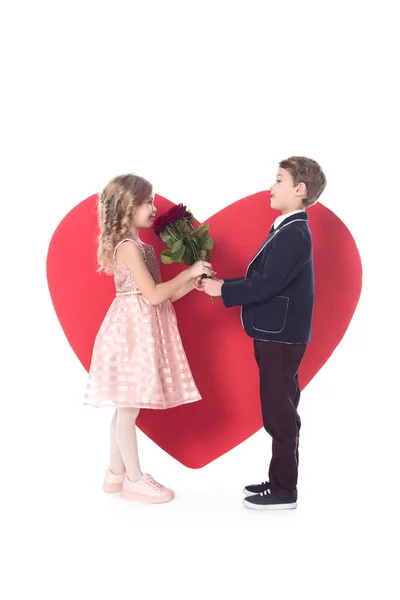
x: 154, y: 484
x: 266, y: 492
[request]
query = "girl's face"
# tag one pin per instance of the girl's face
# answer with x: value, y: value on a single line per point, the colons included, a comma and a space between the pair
x: 145, y: 213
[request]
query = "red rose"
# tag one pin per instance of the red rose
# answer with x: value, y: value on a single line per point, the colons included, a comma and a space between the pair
x: 175, y: 213
x: 159, y: 224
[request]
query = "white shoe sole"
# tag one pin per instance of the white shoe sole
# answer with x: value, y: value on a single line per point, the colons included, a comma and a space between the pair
x: 247, y: 493
x: 269, y: 506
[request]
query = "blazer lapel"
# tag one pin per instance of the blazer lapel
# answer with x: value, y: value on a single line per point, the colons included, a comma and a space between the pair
x: 271, y: 237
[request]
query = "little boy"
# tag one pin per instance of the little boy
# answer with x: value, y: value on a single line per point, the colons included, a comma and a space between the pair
x: 277, y: 300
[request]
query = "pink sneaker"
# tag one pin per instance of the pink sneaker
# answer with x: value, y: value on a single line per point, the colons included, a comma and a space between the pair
x: 113, y: 483
x: 146, y: 489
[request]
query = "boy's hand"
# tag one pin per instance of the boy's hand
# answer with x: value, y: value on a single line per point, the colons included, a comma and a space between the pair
x: 199, y: 281
x: 212, y: 287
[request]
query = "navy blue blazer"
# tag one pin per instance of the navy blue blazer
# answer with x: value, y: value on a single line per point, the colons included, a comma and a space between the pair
x: 277, y: 293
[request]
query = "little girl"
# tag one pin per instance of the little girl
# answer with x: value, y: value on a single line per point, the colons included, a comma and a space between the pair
x: 138, y: 359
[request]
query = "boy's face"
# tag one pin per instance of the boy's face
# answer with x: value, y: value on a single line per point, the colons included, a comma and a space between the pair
x: 285, y: 195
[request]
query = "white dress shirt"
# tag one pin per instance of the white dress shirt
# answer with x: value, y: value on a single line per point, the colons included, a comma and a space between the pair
x: 281, y: 218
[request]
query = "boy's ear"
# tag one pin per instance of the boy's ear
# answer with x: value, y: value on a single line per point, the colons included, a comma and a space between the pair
x: 302, y: 189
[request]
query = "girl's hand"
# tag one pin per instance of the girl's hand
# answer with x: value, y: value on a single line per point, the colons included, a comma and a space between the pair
x: 200, y: 268
x: 198, y: 284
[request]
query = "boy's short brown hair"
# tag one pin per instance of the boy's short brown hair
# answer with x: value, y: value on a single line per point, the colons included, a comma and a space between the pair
x: 306, y: 170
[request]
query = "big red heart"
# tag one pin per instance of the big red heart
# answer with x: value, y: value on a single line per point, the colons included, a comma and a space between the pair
x: 219, y: 352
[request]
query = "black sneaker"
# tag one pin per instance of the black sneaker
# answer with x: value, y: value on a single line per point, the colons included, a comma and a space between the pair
x: 267, y: 500
x: 257, y: 488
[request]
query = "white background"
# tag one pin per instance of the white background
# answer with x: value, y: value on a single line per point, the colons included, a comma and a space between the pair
x: 203, y: 98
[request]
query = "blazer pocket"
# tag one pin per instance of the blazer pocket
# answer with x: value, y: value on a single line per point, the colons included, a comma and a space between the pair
x: 270, y: 316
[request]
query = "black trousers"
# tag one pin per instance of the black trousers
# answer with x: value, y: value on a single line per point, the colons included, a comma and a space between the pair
x: 278, y: 365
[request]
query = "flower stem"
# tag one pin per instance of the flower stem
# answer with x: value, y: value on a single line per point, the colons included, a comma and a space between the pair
x: 170, y: 232
x: 196, y: 258
x: 195, y: 254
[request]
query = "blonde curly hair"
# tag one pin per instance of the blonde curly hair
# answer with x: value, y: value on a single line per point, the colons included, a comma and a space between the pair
x: 116, y: 208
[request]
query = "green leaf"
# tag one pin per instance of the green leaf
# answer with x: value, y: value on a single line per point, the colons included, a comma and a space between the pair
x: 209, y: 243
x: 187, y: 227
x: 179, y: 228
x: 203, y: 254
x: 178, y: 255
x: 166, y: 257
x: 164, y: 235
x: 177, y: 246
x: 169, y: 241
x: 187, y: 257
x: 195, y: 242
x: 191, y: 220
x: 201, y: 229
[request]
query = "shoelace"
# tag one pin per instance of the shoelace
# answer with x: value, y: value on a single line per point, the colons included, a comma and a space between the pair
x: 266, y: 492
x: 151, y: 481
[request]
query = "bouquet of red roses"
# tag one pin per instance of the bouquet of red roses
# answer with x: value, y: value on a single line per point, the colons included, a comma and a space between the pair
x: 185, y: 242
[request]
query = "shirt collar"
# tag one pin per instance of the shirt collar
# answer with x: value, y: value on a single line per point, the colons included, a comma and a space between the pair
x: 278, y: 221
